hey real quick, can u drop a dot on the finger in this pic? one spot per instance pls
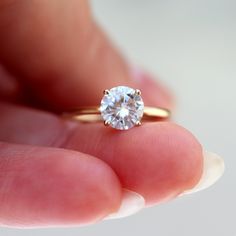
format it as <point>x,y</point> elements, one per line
<point>9,88</point>
<point>48,187</point>
<point>157,160</point>
<point>57,50</point>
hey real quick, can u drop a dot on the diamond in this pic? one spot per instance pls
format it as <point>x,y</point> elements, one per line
<point>122,107</point>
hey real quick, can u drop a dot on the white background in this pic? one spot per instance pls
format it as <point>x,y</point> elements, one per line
<point>191,45</point>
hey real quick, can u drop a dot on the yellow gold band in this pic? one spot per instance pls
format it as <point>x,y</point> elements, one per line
<point>92,114</point>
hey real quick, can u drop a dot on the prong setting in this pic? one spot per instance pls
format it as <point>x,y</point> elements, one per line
<point>138,123</point>
<point>107,123</point>
<point>106,92</point>
<point>137,92</point>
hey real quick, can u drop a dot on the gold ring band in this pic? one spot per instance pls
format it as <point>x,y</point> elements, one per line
<point>93,114</point>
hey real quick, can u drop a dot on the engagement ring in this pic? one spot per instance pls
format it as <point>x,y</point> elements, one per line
<point>121,108</point>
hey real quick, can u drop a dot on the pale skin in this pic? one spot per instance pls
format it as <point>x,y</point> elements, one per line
<point>57,172</point>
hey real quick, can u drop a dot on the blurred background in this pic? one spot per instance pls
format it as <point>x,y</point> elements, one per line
<point>191,46</point>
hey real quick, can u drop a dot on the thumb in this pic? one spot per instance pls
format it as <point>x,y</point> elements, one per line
<point>58,51</point>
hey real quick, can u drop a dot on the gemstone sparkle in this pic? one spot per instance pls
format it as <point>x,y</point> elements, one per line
<point>122,107</point>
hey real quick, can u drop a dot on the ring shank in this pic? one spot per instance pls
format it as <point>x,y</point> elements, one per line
<point>92,114</point>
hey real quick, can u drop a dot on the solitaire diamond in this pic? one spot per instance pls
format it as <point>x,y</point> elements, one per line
<point>122,107</point>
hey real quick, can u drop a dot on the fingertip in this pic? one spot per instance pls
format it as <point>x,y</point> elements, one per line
<point>176,161</point>
<point>55,187</point>
<point>213,170</point>
<point>189,156</point>
<point>158,160</point>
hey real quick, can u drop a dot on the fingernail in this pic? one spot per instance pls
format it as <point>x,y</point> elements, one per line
<point>213,169</point>
<point>131,203</point>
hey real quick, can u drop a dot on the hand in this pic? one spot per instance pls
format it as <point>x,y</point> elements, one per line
<point>56,172</point>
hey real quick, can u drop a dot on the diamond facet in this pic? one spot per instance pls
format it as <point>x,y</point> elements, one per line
<point>122,107</point>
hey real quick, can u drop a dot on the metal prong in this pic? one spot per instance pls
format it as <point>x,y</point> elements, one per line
<point>138,123</point>
<point>106,92</point>
<point>106,123</point>
<point>137,91</point>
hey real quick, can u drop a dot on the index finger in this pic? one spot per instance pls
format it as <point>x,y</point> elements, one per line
<point>65,60</point>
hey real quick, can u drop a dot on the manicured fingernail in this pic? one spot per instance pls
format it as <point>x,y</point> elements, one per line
<point>131,203</point>
<point>213,169</point>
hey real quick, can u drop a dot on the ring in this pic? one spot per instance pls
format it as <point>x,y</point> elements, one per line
<point>121,108</point>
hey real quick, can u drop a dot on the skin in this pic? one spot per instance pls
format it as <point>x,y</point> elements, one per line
<point>57,172</point>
